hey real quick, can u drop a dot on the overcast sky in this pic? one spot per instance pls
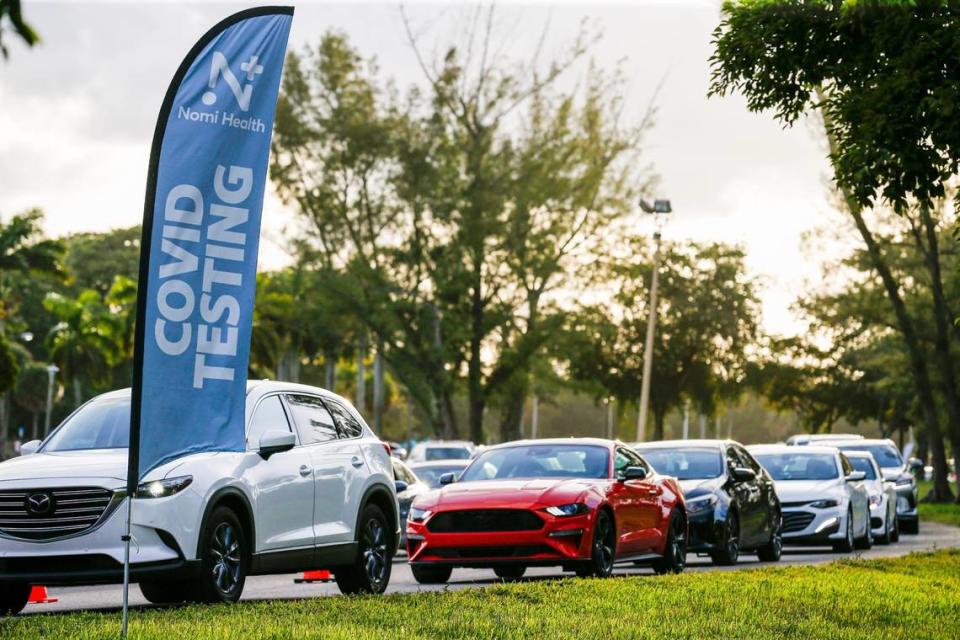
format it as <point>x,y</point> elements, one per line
<point>77,114</point>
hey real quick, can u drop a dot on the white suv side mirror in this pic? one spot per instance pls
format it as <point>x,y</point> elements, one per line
<point>856,476</point>
<point>275,441</point>
<point>29,447</point>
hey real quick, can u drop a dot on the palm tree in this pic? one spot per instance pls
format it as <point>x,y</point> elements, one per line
<point>86,342</point>
<point>23,250</point>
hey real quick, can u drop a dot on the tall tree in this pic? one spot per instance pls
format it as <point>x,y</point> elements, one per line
<point>883,76</point>
<point>707,319</point>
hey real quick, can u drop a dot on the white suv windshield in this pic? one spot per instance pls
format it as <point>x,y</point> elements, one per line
<point>885,455</point>
<point>101,424</point>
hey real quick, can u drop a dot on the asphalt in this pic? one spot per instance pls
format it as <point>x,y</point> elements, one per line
<point>931,537</point>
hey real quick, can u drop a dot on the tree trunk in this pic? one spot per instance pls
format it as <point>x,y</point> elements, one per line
<point>77,394</point>
<point>361,391</point>
<point>921,378</point>
<point>512,415</point>
<point>330,370</point>
<point>659,418</point>
<point>4,422</point>
<point>948,380</point>
<point>378,390</point>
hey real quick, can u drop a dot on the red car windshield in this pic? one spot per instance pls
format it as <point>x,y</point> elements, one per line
<point>540,461</point>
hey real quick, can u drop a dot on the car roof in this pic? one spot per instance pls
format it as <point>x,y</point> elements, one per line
<point>437,463</point>
<point>446,443</point>
<point>785,448</point>
<point>865,441</point>
<point>671,444</point>
<point>858,454</point>
<point>601,442</point>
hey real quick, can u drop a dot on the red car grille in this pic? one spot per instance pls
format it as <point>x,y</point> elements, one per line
<point>493,552</point>
<point>484,520</point>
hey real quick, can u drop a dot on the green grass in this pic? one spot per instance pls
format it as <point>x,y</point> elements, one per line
<point>942,513</point>
<point>911,597</point>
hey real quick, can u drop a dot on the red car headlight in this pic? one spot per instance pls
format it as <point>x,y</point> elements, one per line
<point>567,510</point>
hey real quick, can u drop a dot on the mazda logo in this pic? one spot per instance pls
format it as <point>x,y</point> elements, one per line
<point>40,504</point>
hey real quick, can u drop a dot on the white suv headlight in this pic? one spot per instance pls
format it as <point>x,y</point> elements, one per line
<point>163,488</point>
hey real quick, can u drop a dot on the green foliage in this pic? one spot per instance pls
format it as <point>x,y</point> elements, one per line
<point>707,318</point>
<point>451,216</point>
<point>11,17</point>
<point>30,391</point>
<point>884,73</point>
<point>94,260</point>
<point>9,367</point>
<point>822,602</point>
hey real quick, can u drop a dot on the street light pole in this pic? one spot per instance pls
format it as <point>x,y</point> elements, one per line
<point>659,207</point>
<point>51,374</point>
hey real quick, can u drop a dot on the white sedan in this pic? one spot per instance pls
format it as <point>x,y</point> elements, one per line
<point>822,497</point>
<point>883,497</point>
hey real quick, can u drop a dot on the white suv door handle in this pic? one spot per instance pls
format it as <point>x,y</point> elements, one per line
<point>356,461</point>
<point>304,470</point>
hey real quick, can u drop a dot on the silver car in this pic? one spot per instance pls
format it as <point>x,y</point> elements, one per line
<point>882,495</point>
<point>823,499</point>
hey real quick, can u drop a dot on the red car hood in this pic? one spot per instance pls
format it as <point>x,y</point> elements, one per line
<point>509,494</point>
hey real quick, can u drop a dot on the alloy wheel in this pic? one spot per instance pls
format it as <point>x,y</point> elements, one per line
<point>375,551</point>
<point>225,550</point>
<point>733,538</point>
<point>678,546</point>
<point>603,544</point>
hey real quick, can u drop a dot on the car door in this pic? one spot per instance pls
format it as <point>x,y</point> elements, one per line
<point>745,495</point>
<point>637,506</point>
<point>756,515</point>
<point>282,485</point>
<point>349,449</point>
<point>330,463</point>
<point>859,500</point>
<point>769,503</point>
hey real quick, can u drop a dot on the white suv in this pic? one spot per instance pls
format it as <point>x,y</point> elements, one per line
<point>314,489</point>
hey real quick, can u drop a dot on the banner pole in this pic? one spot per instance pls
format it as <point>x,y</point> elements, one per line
<point>126,571</point>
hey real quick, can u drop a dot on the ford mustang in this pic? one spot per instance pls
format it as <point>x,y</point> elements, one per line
<point>579,503</point>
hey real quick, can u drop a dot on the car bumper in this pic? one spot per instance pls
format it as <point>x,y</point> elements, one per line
<point>704,531</point>
<point>810,526</point>
<point>907,500</point>
<point>560,541</point>
<point>96,556</point>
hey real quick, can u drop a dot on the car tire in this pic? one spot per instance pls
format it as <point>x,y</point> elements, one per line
<point>167,592</point>
<point>846,545</point>
<point>438,574</point>
<point>728,549</point>
<point>13,597</point>
<point>910,527</point>
<point>772,551</point>
<point>674,558</point>
<point>603,548</point>
<point>895,533</point>
<point>510,571</point>
<point>370,572</point>
<point>224,558</point>
<point>866,542</point>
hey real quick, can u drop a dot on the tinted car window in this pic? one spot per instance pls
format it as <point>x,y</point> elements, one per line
<point>799,466</point>
<point>446,453</point>
<point>539,461</point>
<point>348,424</point>
<point>312,418</point>
<point>865,465</point>
<point>100,424</point>
<point>686,464</point>
<point>269,416</point>
<point>884,454</point>
<point>751,463</point>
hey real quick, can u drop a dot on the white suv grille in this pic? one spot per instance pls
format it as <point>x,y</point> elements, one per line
<point>44,514</point>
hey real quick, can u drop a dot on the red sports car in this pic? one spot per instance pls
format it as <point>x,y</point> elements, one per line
<point>580,503</point>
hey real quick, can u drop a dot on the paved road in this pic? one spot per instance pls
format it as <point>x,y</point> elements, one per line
<point>932,536</point>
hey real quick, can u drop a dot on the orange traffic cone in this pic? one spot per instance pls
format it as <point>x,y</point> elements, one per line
<point>320,575</point>
<point>39,595</point>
